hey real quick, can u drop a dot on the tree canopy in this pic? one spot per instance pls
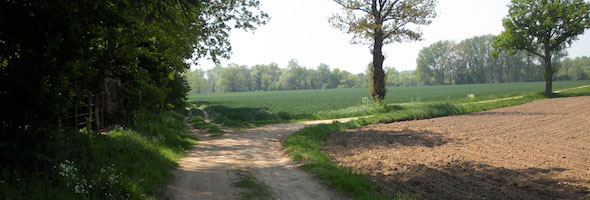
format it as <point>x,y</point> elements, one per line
<point>67,65</point>
<point>543,28</point>
<point>67,52</point>
<point>379,22</point>
<point>469,61</point>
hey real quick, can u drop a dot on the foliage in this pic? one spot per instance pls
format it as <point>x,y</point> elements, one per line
<point>198,123</point>
<point>543,28</point>
<point>247,109</point>
<point>64,51</point>
<point>240,78</point>
<point>128,163</point>
<point>434,61</point>
<point>365,19</point>
<point>55,55</point>
<point>574,69</point>
<point>470,61</point>
<point>380,22</point>
<point>306,144</point>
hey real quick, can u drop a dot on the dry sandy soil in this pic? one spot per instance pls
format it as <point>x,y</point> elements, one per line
<point>538,150</point>
<point>208,170</point>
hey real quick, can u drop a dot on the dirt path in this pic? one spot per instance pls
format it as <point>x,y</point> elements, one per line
<point>207,172</point>
<point>538,150</point>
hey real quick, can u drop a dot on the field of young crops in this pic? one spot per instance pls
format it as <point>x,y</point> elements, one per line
<point>305,102</point>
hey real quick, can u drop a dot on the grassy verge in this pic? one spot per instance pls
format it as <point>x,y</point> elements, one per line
<point>128,163</point>
<point>249,117</point>
<point>305,145</point>
<point>249,109</point>
<point>241,118</point>
<point>199,123</point>
<point>254,189</point>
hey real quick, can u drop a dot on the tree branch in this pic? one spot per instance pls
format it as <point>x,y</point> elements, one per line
<point>389,10</point>
<point>351,7</point>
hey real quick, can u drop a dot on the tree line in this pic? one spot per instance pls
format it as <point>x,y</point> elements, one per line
<point>68,65</point>
<point>122,57</point>
<point>574,69</point>
<point>270,77</point>
<point>533,28</point>
<point>472,61</point>
<point>442,63</point>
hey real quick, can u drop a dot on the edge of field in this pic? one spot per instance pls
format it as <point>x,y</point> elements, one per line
<point>305,146</point>
<point>241,117</point>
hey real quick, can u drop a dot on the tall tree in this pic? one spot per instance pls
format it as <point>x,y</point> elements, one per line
<point>542,28</point>
<point>379,22</point>
<point>434,62</point>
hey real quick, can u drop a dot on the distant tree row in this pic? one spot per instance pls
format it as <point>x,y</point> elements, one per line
<point>471,61</point>
<point>574,69</point>
<point>240,78</point>
<point>442,63</point>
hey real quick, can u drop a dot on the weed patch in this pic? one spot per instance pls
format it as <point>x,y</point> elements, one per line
<point>254,189</point>
<point>198,123</point>
<point>128,163</point>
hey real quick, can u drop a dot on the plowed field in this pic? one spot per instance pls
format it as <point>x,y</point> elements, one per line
<point>538,150</point>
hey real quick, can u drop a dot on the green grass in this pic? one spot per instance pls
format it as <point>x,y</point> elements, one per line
<point>198,123</point>
<point>129,163</point>
<point>250,109</point>
<point>254,189</point>
<point>305,145</point>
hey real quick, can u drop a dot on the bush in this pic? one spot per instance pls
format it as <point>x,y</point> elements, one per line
<point>128,163</point>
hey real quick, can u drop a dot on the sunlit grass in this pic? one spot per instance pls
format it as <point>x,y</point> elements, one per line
<point>250,109</point>
<point>306,145</point>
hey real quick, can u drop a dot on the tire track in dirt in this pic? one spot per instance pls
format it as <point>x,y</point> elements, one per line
<point>538,150</point>
<point>208,170</point>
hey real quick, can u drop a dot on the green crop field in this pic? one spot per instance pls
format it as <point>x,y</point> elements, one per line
<point>312,101</point>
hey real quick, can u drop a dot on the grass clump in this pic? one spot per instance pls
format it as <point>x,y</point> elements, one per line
<point>254,189</point>
<point>243,117</point>
<point>306,145</point>
<point>198,123</point>
<point>128,163</point>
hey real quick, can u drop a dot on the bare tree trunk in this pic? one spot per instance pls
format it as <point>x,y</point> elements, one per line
<point>378,90</point>
<point>548,74</point>
<point>548,69</point>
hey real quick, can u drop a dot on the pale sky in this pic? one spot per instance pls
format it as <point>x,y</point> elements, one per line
<point>299,29</point>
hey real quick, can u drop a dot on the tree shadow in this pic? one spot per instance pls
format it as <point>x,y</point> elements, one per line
<point>512,113</point>
<point>469,180</point>
<point>246,117</point>
<point>372,138</point>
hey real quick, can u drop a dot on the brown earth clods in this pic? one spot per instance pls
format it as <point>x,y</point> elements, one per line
<point>538,150</point>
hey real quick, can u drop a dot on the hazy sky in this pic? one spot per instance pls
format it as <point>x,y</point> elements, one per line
<point>299,29</point>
